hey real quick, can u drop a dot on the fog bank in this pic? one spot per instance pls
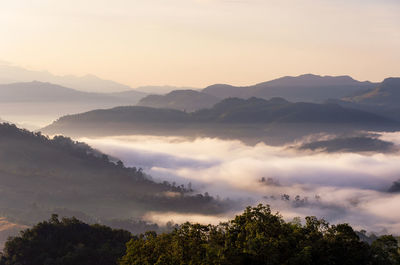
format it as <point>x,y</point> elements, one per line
<point>341,187</point>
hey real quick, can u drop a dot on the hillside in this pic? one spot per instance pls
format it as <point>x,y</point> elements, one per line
<point>385,94</point>
<point>186,100</point>
<point>39,175</point>
<point>278,110</point>
<point>307,88</point>
<point>383,99</point>
<point>251,120</point>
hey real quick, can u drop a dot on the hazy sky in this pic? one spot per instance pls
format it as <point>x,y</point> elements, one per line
<point>200,42</point>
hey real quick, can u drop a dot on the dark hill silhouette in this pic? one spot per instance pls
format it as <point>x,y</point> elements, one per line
<point>187,100</point>
<point>308,88</point>
<point>38,175</point>
<point>255,110</point>
<point>351,144</point>
<point>251,119</point>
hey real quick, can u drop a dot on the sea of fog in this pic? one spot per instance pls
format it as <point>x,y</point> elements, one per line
<point>339,187</point>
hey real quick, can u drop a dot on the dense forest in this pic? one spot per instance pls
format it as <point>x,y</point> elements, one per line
<point>257,236</point>
<point>40,176</point>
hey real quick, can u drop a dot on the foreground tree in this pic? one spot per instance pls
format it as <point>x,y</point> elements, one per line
<point>66,242</point>
<point>259,237</point>
<point>255,237</point>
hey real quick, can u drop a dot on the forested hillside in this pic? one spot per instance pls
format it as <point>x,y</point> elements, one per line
<point>39,175</point>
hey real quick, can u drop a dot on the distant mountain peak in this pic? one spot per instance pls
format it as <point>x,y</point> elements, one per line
<point>302,88</point>
<point>391,83</point>
<point>90,83</point>
<point>312,80</point>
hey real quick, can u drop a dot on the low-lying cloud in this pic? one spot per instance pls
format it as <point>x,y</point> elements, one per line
<point>341,187</point>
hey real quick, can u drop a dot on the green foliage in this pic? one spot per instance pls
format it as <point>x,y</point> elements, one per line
<point>259,237</point>
<point>255,237</point>
<point>64,242</point>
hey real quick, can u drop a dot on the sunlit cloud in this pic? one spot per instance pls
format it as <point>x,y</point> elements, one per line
<point>341,187</point>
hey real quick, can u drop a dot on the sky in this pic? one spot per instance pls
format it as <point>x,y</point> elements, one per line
<point>202,42</point>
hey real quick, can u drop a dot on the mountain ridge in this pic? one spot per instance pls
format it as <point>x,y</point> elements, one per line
<point>308,87</point>
<point>276,121</point>
<point>186,100</point>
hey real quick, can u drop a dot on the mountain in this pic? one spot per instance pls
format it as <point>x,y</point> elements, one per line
<point>307,88</point>
<point>89,83</point>
<point>46,92</point>
<point>383,99</point>
<point>255,110</point>
<point>385,94</point>
<point>186,100</point>
<point>39,175</point>
<point>249,120</point>
<point>160,90</point>
<point>37,102</point>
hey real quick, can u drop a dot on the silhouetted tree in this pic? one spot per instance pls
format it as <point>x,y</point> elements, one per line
<point>64,242</point>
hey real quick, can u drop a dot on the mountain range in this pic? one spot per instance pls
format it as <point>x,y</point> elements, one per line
<point>36,91</point>
<point>186,100</point>
<point>380,98</point>
<point>383,99</point>
<point>251,119</point>
<point>38,102</point>
<point>31,102</point>
<point>88,83</point>
<point>385,94</point>
<point>304,88</point>
<point>307,88</point>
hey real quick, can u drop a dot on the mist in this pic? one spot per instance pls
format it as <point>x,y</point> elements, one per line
<point>340,187</point>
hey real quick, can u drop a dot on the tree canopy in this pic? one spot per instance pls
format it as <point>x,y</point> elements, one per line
<point>257,236</point>
<point>260,237</point>
<point>65,242</point>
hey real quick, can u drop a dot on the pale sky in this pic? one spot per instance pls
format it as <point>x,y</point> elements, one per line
<point>201,42</point>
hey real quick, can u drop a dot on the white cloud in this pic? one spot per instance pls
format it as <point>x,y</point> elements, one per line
<point>351,187</point>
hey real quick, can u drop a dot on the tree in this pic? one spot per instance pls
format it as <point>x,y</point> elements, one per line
<point>66,241</point>
<point>385,250</point>
<point>260,237</point>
